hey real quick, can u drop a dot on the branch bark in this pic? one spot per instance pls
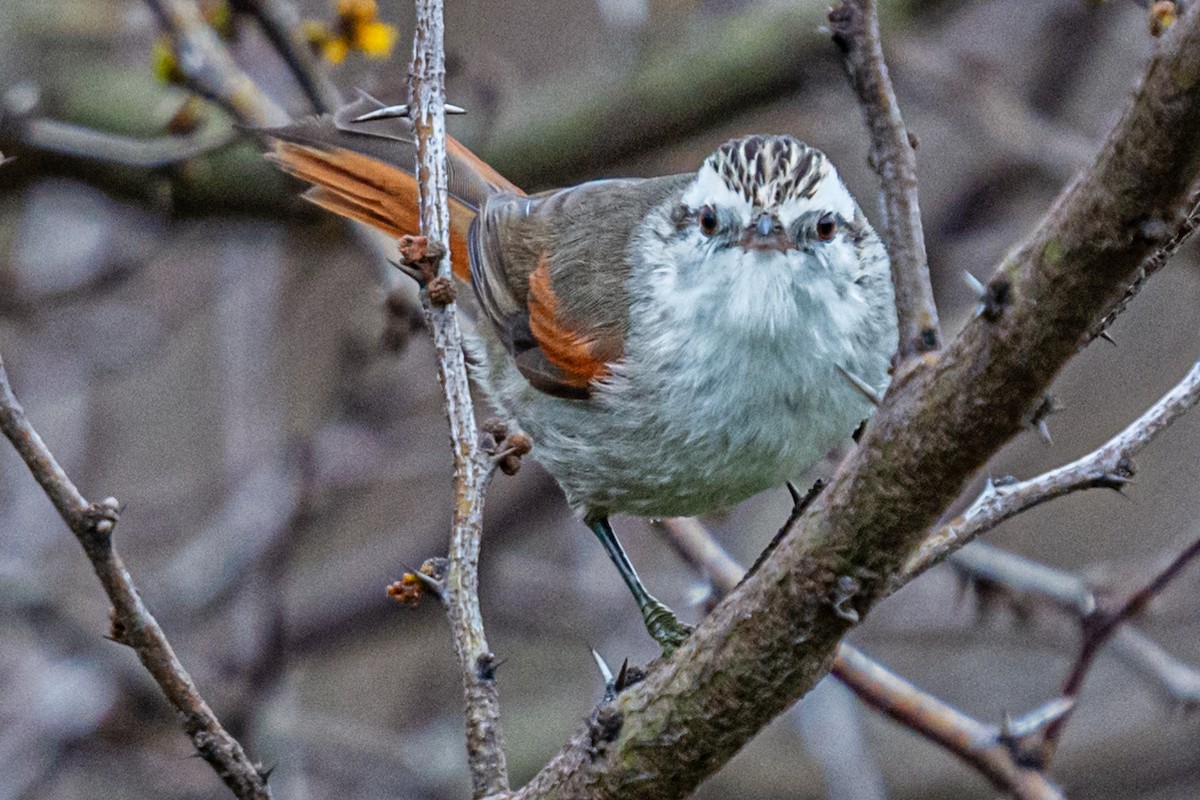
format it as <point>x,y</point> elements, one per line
<point>132,623</point>
<point>472,467</point>
<point>855,26</point>
<point>944,416</point>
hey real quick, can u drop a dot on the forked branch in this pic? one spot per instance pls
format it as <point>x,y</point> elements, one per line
<point>132,623</point>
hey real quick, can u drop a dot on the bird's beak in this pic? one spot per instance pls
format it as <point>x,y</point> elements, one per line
<point>766,234</point>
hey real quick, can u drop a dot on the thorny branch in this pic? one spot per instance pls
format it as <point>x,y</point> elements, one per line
<point>1024,578</point>
<point>132,623</point>
<point>472,467</point>
<point>982,747</point>
<point>1099,627</point>
<point>1109,466</point>
<point>855,27</point>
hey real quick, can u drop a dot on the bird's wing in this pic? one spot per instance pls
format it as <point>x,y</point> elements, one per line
<point>551,273</point>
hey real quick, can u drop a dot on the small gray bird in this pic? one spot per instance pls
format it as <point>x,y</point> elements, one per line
<point>672,345</point>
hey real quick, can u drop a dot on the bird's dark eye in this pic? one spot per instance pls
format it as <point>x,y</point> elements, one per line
<point>826,227</point>
<point>708,220</point>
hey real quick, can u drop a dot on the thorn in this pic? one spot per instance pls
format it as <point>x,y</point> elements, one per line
<point>795,493</point>
<point>485,667</point>
<point>265,772</point>
<point>1041,413</point>
<point>864,388</point>
<point>847,587</point>
<point>602,665</point>
<point>1106,336</point>
<point>628,676</point>
<point>801,503</point>
<point>1037,720</point>
<point>400,112</point>
<point>975,285</point>
<point>430,582</point>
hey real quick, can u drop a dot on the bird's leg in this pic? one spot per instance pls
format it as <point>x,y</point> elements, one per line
<point>661,622</point>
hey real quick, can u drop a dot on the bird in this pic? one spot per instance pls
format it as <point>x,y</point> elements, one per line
<point>671,345</point>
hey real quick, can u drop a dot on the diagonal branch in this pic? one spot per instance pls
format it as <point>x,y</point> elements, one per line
<point>472,467</point>
<point>1100,626</point>
<point>1109,466</point>
<point>979,746</point>
<point>943,418</point>
<point>281,24</point>
<point>855,27</point>
<point>132,623</point>
<point>209,67</point>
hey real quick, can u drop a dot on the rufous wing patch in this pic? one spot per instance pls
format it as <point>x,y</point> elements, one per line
<point>573,359</point>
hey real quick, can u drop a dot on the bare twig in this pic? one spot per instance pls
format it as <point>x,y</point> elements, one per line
<point>132,623</point>
<point>472,467</point>
<point>1178,681</point>
<point>1099,627</point>
<point>210,68</point>
<point>855,27</point>
<point>976,744</point>
<point>1153,264</point>
<point>1109,466</point>
<point>981,746</point>
<point>281,23</point>
<point>77,141</point>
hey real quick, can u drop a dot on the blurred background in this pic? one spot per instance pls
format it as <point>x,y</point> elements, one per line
<point>192,339</point>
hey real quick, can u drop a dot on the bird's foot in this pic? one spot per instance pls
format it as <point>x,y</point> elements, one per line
<point>664,626</point>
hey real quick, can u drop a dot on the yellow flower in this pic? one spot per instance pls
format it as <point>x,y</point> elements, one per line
<point>357,28</point>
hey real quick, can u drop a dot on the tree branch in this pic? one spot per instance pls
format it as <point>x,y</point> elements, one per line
<point>1099,627</point>
<point>981,747</point>
<point>281,24</point>
<point>209,67</point>
<point>1109,466</point>
<point>775,636</point>
<point>472,467</point>
<point>132,623</point>
<point>855,26</point>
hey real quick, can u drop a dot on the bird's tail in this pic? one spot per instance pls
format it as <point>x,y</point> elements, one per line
<point>364,171</point>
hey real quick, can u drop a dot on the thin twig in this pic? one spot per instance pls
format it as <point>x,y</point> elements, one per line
<point>855,27</point>
<point>472,467</point>
<point>78,141</point>
<point>980,746</point>
<point>132,623</point>
<point>209,67</point>
<point>281,23</point>
<point>1153,265</point>
<point>1109,466</point>
<point>1178,681</point>
<point>1100,626</point>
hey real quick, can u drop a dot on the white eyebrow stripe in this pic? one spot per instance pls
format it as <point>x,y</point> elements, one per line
<point>831,195</point>
<point>710,188</point>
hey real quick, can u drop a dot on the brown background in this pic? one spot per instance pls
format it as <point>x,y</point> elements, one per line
<point>194,343</point>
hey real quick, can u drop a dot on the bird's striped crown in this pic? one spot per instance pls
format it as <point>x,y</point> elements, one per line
<point>769,171</point>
